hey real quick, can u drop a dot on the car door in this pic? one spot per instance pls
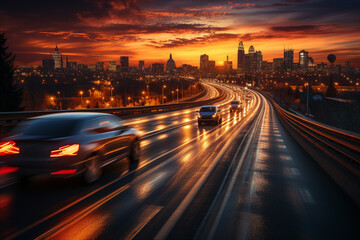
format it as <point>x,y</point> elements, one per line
<point>122,137</point>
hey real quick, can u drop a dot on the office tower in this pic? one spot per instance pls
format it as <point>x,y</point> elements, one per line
<point>259,59</point>
<point>288,59</point>
<point>227,64</point>
<point>278,64</point>
<point>141,65</point>
<point>57,58</point>
<point>204,63</point>
<point>170,65</point>
<point>303,59</point>
<point>112,66</point>
<point>99,66</point>
<point>157,68</point>
<point>211,66</point>
<point>241,57</point>
<point>48,64</point>
<point>124,64</point>
<point>251,49</point>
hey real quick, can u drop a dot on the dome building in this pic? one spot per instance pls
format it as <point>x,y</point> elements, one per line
<point>170,65</point>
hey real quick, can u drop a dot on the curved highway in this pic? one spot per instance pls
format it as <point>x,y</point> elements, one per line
<point>243,179</point>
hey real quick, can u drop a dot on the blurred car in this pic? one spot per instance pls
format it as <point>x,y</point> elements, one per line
<point>236,106</point>
<point>68,144</point>
<point>209,113</point>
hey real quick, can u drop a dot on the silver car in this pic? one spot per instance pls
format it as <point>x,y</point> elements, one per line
<point>209,113</point>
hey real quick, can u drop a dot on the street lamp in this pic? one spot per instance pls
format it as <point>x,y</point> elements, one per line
<point>162,99</point>
<point>172,93</point>
<point>81,93</point>
<point>177,95</point>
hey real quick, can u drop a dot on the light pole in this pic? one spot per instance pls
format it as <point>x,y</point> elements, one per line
<point>162,99</point>
<point>81,93</point>
<point>307,99</point>
<point>177,95</point>
<point>172,93</point>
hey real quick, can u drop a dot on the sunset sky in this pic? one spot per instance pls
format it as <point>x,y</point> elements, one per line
<point>88,31</point>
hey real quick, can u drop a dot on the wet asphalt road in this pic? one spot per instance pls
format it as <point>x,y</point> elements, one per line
<point>179,188</point>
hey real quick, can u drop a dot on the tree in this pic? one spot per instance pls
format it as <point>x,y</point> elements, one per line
<point>10,93</point>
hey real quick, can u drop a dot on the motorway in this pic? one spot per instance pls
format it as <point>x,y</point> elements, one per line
<point>243,179</point>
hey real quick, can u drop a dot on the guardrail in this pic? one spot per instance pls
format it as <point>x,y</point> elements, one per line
<point>336,152</point>
<point>9,119</point>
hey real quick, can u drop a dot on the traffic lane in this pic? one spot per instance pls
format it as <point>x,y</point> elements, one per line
<point>43,196</point>
<point>288,196</point>
<point>156,193</point>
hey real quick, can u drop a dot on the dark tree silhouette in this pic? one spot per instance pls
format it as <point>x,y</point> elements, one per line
<point>10,93</point>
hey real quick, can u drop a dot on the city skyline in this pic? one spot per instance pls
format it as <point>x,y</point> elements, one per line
<point>92,31</point>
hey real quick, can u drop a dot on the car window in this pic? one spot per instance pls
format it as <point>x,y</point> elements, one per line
<point>103,124</point>
<point>54,128</point>
<point>208,109</point>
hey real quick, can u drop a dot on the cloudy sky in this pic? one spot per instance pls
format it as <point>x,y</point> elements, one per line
<point>88,31</point>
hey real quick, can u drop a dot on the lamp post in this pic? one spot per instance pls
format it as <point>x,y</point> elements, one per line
<point>162,99</point>
<point>307,99</point>
<point>177,95</point>
<point>172,93</point>
<point>81,93</point>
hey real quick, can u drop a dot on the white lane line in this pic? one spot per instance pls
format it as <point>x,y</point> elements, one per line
<point>306,196</point>
<point>7,185</point>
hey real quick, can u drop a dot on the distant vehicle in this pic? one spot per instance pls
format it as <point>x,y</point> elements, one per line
<point>209,113</point>
<point>69,144</point>
<point>236,106</point>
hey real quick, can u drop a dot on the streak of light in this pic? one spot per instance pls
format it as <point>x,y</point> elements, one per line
<point>144,143</point>
<point>162,136</point>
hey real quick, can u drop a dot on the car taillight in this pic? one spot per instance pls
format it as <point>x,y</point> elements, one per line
<point>67,150</point>
<point>7,148</point>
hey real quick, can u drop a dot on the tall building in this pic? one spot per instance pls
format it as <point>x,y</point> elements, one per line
<point>170,65</point>
<point>278,64</point>
<point>204,63</point>
<point>211,66</point>
<point>251,49</point>
<point>303,59</point>
<point>57,58</point>
<point>112,66</point>
<point>48,64</point>
<point>99,66</point>
<point>157,68</point>
<point>347,66</point>
<point>259,60</point>
<point>141,65</point>
<point>241,57</point>
<point>124,63</point>
<point>288,59</point>
<point>228,64</point>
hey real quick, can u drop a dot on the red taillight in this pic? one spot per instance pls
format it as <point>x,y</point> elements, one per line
<point>64,172</point>
<point>7,170</point>
<point>68,150</point>
<point>9,147</point>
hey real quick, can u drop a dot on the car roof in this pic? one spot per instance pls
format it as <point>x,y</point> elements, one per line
<point>209,106</point>
<point>72,115</point>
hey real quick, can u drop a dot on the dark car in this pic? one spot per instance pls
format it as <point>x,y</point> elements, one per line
<point>235,106</point>
<point>209,113</point>
<point>68,144</point>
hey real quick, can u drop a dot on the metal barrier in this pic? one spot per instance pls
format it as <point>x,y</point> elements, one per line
<point>336,152</point>
<point>9,119</point>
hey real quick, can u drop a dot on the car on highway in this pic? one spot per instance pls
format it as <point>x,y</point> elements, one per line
<point>209,113</point>
<point>235,106</point>
<point>69,144</point>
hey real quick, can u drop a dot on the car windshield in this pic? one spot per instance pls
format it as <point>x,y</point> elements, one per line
<point>235,102</point>
<point>54,128</point>
<point>208,109</point>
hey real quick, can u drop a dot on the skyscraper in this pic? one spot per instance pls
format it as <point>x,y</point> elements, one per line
<point>228,64</point>
<point>141,65</point>
<point>57,58</point>
<point>288,59</point>
<point>112,66</point>
<point>170,65</point>
<point>204,63</point>
<point>124,63</point>
<point>241,57</point>
<point>251,49</point>
<point>303,59</point>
